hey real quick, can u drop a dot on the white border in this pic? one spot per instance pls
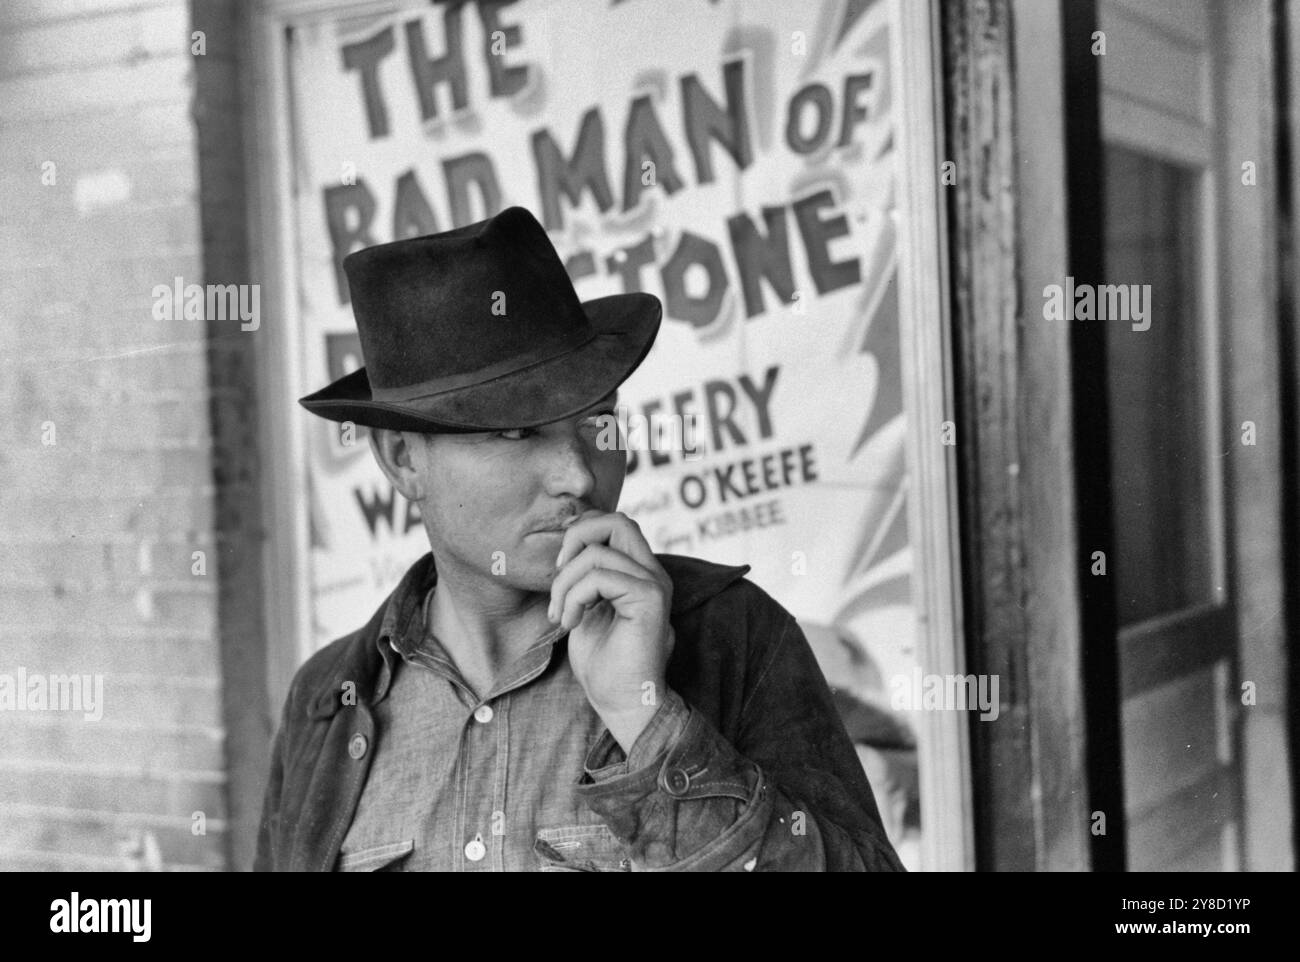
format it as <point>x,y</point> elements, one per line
<point>284,451</point>
<point>947,811</point>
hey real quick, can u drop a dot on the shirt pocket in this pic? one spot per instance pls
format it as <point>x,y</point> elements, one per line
<point>580,848</point>
<point>376,858</point>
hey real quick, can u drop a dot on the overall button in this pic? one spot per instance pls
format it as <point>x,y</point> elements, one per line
<point>483,713</point>
<point>676,781</point>
<point>357,746</point>
<point>475,850</point>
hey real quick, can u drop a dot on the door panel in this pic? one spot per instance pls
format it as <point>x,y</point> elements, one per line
<point>1157,386</point>
<point>1178,644</point>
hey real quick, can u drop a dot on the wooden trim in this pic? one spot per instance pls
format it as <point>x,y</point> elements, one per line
<point>983,238</point>
<point>1182,30</point>
<point>1254,372</point>
<point>1166,648</point>
<point>947,815</point>
<point>1212,312</point>
<point>288,595</point>
<point>1287,40</point>
<point>1038,771</point>
<point>1091,418</point>
<point>1142,128</point>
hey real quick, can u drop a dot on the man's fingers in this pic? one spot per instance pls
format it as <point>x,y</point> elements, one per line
<point>591,557</point>
<point>602,584</point>
<point>613,528</point>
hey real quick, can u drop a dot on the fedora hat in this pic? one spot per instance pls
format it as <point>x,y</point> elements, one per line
<point>480,329</point>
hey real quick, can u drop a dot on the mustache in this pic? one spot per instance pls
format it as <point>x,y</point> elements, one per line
<point>560,522</point>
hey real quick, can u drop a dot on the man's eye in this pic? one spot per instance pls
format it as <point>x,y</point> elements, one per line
<point>595,422</point>
<point>516,434</point>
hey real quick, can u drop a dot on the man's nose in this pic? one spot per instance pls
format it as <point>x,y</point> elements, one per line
<point>568,469</point>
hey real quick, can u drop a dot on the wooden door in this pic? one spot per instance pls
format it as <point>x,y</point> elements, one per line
<point>1165,173</point>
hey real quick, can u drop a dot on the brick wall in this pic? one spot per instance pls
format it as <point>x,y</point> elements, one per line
<point>120,169</point>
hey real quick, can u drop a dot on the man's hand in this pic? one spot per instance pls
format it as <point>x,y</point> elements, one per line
<point>614,597</point>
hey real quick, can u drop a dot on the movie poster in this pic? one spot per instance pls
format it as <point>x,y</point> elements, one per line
<point>742,166</point>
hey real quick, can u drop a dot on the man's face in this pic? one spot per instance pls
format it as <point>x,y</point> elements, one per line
<point>508,492</point>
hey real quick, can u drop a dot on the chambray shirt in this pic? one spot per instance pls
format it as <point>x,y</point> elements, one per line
<point>384,761</point>
<point>459,783</point>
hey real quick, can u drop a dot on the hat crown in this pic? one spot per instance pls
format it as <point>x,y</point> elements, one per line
<point>435,311</point>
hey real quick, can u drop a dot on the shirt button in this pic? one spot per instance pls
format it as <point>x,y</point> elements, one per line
<point>483,713</point>
<point>357,746</point>
<point>475,850</point>
<point>676,781</point>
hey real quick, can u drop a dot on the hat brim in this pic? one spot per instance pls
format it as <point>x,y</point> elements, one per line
<point>625,324</point>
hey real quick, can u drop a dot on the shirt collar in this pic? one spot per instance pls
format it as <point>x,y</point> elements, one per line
<point>403,623</point>
<point>403,632</point>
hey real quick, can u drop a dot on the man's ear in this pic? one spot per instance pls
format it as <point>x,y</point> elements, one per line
<point>394,451</point>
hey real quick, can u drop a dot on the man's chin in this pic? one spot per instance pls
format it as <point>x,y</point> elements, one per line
<point>535,583</point>
<point>534,569</point>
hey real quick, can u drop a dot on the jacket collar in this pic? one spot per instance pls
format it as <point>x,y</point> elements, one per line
<point>361,664</point>
<point>695,580</point>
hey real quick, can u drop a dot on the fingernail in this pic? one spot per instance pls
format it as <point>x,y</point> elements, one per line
<point>568,521</point>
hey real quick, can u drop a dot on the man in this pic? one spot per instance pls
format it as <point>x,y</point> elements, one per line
<point>542,691</point>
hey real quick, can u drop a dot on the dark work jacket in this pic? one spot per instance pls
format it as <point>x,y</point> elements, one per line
<point>762,725</point>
